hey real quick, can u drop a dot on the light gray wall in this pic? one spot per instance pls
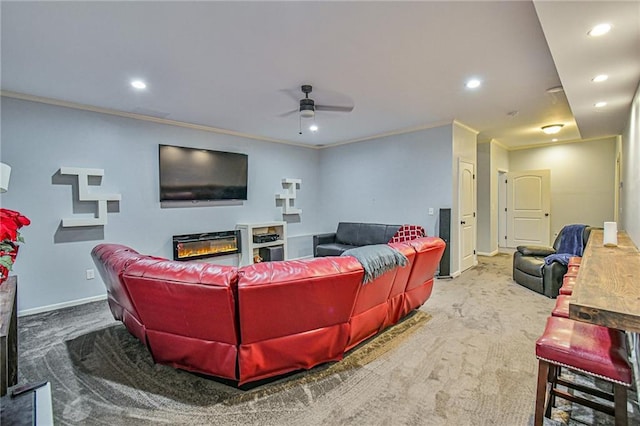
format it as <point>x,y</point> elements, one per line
<point>499,163</point>
<point>395,179</point>
<point>492,158</point>
<point>630,194</point>
<point>38,139</point>
<point>582,179</point>
<point>484,198</point>
<point>499,158</point>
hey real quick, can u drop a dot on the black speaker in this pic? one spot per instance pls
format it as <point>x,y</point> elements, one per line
<point>445,234</point>
<point>271,254</point>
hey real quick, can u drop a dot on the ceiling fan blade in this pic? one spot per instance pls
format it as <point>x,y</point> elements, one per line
<point>286,114</point>
<point>334,108</point>
<point>292,93</point>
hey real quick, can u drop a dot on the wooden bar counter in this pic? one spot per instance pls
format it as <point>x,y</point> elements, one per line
<point>607,290</point>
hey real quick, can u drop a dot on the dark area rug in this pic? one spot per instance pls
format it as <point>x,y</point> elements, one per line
<point>106,376</point>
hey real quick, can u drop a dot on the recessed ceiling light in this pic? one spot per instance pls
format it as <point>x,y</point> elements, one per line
<point>600,78</point>
<point>600,104</point>
<point>139,84</point>
<point>600,29</point>
<point>474,83</point>
<point>313,128</point>
<point>552,129</point>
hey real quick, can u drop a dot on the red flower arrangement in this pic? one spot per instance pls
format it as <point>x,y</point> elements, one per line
<point>10,222</point>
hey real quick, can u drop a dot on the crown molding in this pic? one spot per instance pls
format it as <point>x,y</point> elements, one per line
<point>500,144</point>
<point>547,144</point>
<point>142,117</point>
<point>464,126</point>
<point>159,120</point>
<point>393,133</point>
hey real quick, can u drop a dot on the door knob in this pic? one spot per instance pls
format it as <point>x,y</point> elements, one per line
<point>546,214</point>
<point>462,222</point>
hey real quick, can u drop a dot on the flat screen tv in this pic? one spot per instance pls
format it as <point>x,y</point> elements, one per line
<point>192,174</point>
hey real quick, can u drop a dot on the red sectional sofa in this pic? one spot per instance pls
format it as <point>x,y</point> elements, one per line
<point>263,320</point>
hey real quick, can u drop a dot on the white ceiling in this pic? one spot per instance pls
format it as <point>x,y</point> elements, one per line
<point>238,65</point>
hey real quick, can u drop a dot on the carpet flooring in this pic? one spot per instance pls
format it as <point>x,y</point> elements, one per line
<point>464,358</point>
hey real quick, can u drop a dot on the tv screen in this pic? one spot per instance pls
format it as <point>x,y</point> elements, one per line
<point>190,174</point>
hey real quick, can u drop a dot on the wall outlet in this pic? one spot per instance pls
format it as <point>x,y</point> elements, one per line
<point>91,274</point>
<point>430,211</point>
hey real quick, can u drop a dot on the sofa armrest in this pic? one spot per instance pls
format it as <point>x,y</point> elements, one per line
<point>323,239</point>
<point>536,250</point>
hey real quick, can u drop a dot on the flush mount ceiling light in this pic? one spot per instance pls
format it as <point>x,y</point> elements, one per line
<point>474,83</point>
<point>552,129</point>
<point>600,29</point>
<point>600,78</point>
<point>138,84</point>
<point>555,89</point>
<point>600,104</point>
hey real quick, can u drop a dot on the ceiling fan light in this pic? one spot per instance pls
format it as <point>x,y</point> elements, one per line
<point>306,113</point>
<point>552,129</point>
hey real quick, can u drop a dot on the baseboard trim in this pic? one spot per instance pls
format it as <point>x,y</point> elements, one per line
<point>493,253</point>
<point>57,306</point>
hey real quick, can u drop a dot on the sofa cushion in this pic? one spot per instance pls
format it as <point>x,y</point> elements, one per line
<point>332,249</point>
<point>530,265</point>
<point>362,234</point>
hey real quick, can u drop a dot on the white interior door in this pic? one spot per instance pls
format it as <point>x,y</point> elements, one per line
<point>528,208</point>
<point>467,216</point>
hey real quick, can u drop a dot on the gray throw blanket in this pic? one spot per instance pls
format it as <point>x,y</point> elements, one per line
<point>376,259</point>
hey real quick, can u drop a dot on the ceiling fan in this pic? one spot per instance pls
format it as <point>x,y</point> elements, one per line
<point>308,107</point>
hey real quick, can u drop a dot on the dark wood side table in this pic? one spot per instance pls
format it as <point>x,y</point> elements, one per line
<point>8,334</point>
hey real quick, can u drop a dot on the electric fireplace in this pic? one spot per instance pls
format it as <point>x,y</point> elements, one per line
<point>201,246</point>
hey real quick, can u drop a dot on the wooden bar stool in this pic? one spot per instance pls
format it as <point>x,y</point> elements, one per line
<point>575,261</point>
<point>567,285</point>
<point>589,349</point>
<point>562,306</point>
<point>572,271</point>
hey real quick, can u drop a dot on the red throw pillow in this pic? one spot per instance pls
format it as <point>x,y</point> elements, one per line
<point>407,233</point>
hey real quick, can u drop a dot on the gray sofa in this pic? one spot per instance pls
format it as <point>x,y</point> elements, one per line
<point>350,235</point>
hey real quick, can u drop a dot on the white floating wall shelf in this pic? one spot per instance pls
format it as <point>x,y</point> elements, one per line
<point>84,195</point>
<point>289,197</point>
